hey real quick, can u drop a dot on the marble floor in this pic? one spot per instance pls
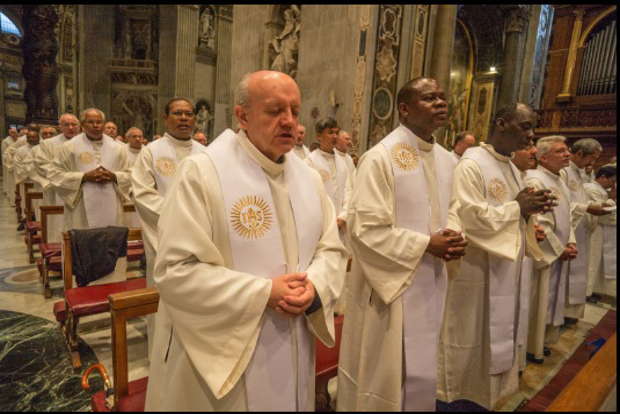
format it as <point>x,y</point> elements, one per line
<point>35,367</point>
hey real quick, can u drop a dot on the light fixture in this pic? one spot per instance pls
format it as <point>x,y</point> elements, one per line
<point>493,69</point>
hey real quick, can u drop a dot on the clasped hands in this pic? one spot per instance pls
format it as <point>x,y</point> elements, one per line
<point>447,245</point>
<point>291,294</point>
<point>535,202</point>
<point>99,175</point>
<point>570,253</point>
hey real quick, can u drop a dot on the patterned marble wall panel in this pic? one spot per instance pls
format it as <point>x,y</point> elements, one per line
<point>386,67</point>
<point>422,16</point>
<point>482,106</point>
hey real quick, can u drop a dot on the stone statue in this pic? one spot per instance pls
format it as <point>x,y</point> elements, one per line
<point>207,31</point>
<point>203,119</point>
<point>285,46</point>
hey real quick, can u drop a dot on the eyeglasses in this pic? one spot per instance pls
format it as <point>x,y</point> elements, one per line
<point>179,114</point>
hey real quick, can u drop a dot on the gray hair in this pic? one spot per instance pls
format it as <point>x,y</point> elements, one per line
<point>242,92</point>
<point>545,144</point>
<point>130,129</point>
<point>587,145</point>
<point>83,114</point>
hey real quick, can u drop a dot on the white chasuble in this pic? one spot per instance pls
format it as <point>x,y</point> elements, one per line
<point>323,167</point>
<point>257,249</point>
<point>503,299</point>
<point>578,267</point>
<point>423,301</point>
<point>165,160</point>
<point>603,243</point>
<point>562,229</point>
<point>99,199</point>
<point>301,151</point>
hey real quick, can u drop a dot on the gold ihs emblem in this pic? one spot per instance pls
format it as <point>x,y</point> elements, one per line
<point>86,158</point>
<point>573,185</point>
<point>404,156</point>
<point>497,190</point>
<point>251,217</point>
<point>166,167</point>
<point>324,175</point>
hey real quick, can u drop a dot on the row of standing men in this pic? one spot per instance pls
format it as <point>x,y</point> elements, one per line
<point>249,260</point>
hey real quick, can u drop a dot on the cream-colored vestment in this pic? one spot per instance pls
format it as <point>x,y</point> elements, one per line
<point>9,162</point>
<point>6,143</point>
<point>301,151</point>
<point>217,312</point>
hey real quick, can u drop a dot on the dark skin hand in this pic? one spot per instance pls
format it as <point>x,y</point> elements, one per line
<point>448,245</point>
<point>540,233</point>
<point>533,202</point>
<point>99,175</point>
<point>598,210</point>
<point>570,253</point>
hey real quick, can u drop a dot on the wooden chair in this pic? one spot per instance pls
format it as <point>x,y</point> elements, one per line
<point>50,252</point>
<point>18,200</point>
<point>326,367</point>
<point>86,300</point>
<point>32,227</point>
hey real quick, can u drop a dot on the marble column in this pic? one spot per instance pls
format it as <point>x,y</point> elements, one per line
<point>441,58</point>
<point>516,22</point>
<point>40,70</point>
<point>572,56</point>
<point>223,97</point>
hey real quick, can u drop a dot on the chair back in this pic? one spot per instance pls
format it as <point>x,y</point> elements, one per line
<point>48,211</point>
<point>124,306</point>
<point>34,195</point>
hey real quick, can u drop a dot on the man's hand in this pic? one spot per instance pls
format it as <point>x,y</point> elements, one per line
<point>297,305</point>
<point>107,176</point>
<point>99,175</point>
<point>597,210</point>
<point>447,245</point>
<point>540,233</point>
<point>286,288</point>
<point>341,223</point>
<point>570,252</point>
<point>92,176</point>
<point>532,202</point>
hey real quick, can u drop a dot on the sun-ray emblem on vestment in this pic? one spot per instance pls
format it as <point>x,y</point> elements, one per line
<point>86,158</point>
<point>251,217</point>
<point>324,175</point>
<point>497,190</point>
<point>573,185</point>
<point>556,193</point>
<point>166,166</point>
<point>405,156</point>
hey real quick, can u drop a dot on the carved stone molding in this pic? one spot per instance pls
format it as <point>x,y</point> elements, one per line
<point>516,18</point>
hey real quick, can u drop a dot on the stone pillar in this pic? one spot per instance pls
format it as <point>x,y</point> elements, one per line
<point>441,58</point>
<point>572,56</point>
<point>178,34</point>
<point>40,70</point>
<point>223,97</point>
<point>516,21</point>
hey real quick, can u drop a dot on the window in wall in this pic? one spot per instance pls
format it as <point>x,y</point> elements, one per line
<point>7,26</point>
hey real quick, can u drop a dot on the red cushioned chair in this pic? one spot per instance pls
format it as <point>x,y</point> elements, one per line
<point>32,227</point>
<point>86,300</point>
<point>50,252</point>
<point>128,396</point>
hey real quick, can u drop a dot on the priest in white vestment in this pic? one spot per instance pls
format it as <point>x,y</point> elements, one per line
<point>23,165</point>
<point>584,153</point>
<point>602,264</point>
<point>300,149</point>
<point>479,340</point>
<point>333,170</point>
<point>152,172</point>
<point>6,143</point>
<point>525,160</point>
<point>201,138</point>
<point>249,266</point>
<point>397,284</point>
<point>342,149</point>
<point>91,175</point>
<point>134,138</point>
<point>463,141</point>
<point>9,161</point>
<point>43,158</point>
<point>551,272</point>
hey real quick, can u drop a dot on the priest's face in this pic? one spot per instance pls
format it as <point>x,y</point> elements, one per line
<point>525,159</point>
<point>201,138</point>
<point>344,142</point>
<point>328,138</point>
<point>110,129</point>
<point>134,138</point>
<point>272,115</point>
<point>302,135</point>
<point>181,120</point>
<point>32,137</point>
<point>93,125</point>
<point>583,161</point>
<point>427,109</point>
<point>518,134</point>
<point>69,125</point>
<point>13,133</point>
<point>48,132</point>
<point>557,157</point>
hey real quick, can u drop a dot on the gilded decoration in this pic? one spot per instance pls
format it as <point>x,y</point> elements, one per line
<point>166,167</point>
<point>460,82</point>
<point>360,74</point>
<point>386,67</point>
<point>405,157</point>
<point>497,190</point>
<point>556,193</point>
<point>86,158</point>
<point>324,175</point>
<point>573,185</point>
<point>251,217</point>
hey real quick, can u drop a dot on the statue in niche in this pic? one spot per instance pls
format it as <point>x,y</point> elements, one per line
<point>207,31</point>
<point>203,119</point>
<point>284,48</point>
<point>136,110</point>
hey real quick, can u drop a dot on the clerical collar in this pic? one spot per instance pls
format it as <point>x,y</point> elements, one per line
<point>549,172</point>
<point>91,139</point>
<point>270,167</point>
<point>494,153</point>
<point>178,142</point>
<point>327,154</point>
<point>422,144</point>
<point>574,166</point>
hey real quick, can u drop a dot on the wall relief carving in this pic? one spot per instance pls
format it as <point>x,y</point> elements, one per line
<point>284,48</point>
